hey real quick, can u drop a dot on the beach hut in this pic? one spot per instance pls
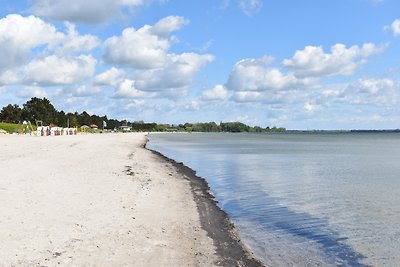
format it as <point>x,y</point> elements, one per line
<point>84,128</point>
<point>94,126</point>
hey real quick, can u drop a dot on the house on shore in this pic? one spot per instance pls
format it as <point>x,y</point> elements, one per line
<point>125,128</point>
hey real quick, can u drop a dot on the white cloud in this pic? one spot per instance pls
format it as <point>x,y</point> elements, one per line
<point>110,77</point>
<point>250,7</point>
<point>371,86</point>
<point>24,39</point>
<point>88,11</point>
<point>271,98</point>
<point>395,27</point>
<point>18,35</point>
<point>32,91</point>
<point>314,62</point>
<point>219,92</point>
<point>140,49</point>
<point>84,91</point>
<point>311,108</point>
<point>145,48</point>
<point>248,96</point>
<point>73,42</point>
<point>3,89</point>
<point>135,104</point>
<point>167,25</point>
<point>154,68</point>
<point>126,89</point>
<point>9,77</point>
<point>206,45</point>
<point>177,73</point>
<point>193,105</point>
<point>53,70</point>
<point>256,75</point>
<point>373,92</point>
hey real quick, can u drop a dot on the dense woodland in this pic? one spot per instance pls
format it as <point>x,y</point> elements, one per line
<point>42,110</point>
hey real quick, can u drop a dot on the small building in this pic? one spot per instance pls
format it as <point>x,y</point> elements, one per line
<point>125,128</point>
<point>94,126</point>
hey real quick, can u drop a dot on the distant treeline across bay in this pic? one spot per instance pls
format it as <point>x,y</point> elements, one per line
<point>37,109</point>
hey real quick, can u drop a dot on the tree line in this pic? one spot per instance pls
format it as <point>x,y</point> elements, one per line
<point>37,109</point>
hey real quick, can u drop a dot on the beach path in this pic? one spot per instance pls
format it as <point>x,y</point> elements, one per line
<point>96,200</point>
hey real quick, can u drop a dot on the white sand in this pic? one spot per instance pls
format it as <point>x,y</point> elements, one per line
<point>69,200</point>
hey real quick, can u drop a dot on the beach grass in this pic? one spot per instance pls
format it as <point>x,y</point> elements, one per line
<point>13,127</point>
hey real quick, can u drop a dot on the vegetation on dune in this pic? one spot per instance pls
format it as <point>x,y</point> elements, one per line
<point>16,128</point>
<point>37,109</point>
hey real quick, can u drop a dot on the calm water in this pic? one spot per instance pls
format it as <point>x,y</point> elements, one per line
<point>303,199</point>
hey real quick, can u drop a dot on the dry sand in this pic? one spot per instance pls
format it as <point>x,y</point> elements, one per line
<point>104,200</point>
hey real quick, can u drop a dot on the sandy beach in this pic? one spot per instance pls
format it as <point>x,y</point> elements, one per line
<point>105,200</point>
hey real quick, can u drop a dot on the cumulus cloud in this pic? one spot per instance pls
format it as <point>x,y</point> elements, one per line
<point>136,103</point>
<point>53,70</point>
<point>314,62</point>
<point>154,68</point>
<point>109,77</point>
<point>8,77</point>
<point>257,75</point>
<point>88,11</point>
<point>18,35</point>
<point>248,96</point>
<point>127,89</point>
<point>272,98</point>
<point>84,91</point>
<point>178,72</point>
<point>219,92</point>
<point>167,25</point>
<point>74,42</point>
<point>32,91</point>
<point>145,48</point>
<point>395,27</point>
<point>138,49</point>
<point>34,52</point>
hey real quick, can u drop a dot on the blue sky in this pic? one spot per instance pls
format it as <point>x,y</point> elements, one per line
<point>331,64</point>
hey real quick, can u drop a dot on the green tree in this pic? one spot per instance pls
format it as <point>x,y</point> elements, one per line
<point>72,119</point>
<point>113,124</point>
<point>39,109</point>
<point>11,113</point>
<point>205,127</point>
<point>234,127</point>
<point>61,119</point>
<point>84,119</point>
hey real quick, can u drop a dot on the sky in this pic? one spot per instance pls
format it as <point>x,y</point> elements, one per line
<point>299,64</point>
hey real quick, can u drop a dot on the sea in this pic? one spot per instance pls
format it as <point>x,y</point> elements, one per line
<point>302,199</point>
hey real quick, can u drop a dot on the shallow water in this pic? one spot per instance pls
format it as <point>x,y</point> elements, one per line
<point>302,199</point>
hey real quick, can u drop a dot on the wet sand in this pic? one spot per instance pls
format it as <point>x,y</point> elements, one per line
<point>105,200</point>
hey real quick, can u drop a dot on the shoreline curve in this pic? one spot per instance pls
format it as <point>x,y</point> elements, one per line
<point>213,219</point>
